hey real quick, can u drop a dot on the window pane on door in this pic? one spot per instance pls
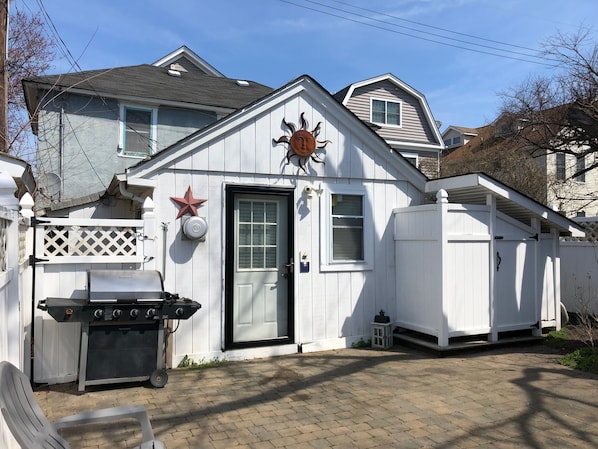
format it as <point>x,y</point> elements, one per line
<point>257,235</point>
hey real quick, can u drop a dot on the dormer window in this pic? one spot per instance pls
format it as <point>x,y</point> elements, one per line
<point>137,131</point>
<point>385,112</point>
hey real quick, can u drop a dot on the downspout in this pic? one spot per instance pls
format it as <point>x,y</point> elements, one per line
<point>130,195</point>
<point>164,235</point>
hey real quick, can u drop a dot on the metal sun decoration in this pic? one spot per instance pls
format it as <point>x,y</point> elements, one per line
<point>187,204</point>
<point>302,143</point>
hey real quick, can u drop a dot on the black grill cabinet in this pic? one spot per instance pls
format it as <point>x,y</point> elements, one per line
<point>122,325</point>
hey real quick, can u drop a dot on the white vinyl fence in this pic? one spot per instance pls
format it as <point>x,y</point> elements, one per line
<point>579,269</point>
<point>13,269</point>
<point>11,326</point>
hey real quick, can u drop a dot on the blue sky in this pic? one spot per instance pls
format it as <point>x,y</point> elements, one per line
<point>274,41</point>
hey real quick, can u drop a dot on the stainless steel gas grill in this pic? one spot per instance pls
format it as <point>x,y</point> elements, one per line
<point>122,325</point>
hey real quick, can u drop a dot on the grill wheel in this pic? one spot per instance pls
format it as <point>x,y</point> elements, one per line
<point>159,378</point>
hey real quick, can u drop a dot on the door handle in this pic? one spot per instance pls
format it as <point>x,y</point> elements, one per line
<point>290,268</point>
<point>498,261</point>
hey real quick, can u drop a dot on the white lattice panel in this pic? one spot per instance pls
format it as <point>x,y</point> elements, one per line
<point>89,241</point>
<point>591,230</point>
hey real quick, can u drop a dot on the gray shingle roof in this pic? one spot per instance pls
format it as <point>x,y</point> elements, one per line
<point>151,82</point>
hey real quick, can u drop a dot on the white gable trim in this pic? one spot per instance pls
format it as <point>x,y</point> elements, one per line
<point>406,87</point>
<point>402,145</point>
<point>304,86</point>
<point>192,56</point>
<point>475,187</point>
<point>459,131</point>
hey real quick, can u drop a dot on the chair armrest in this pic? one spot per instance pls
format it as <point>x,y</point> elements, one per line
<point>137,412</point>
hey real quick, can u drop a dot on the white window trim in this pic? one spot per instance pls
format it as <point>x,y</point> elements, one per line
<point>400,103</point>
<point>411,156</point>
<point>326,262</point>
<point>121,125</point>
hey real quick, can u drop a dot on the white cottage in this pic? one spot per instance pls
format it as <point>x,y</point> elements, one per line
<point>294,224</point>
<point>296,195</point>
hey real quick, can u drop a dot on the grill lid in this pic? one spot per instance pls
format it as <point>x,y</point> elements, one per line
<point>125,286</point>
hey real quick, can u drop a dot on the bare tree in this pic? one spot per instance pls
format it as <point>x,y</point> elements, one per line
<point>503,158</point>
<point>558,113</point>
<point>30,53</point>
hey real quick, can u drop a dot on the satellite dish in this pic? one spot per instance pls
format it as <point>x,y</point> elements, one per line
<point>49,185</point>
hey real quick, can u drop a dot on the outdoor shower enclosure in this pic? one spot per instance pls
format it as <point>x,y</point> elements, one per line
<point>472,270</point>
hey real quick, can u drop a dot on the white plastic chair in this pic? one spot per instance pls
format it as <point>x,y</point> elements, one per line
<point>31,428</point>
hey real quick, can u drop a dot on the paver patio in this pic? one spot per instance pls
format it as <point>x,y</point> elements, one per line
<point>508,397</point>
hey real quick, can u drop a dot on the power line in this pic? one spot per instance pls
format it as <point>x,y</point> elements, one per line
<point>435,27</point>
<point>509,54</point>
<point>65,50</point>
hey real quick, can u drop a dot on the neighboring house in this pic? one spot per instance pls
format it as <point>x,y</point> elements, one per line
<point>505,146</point>
<point>456,136</point>
<point>400,115</point>
<point>93,124</point>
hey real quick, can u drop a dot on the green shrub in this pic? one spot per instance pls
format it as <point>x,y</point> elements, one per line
<point>584,359</point>
<point>554,338</point>
<point>361,344</point>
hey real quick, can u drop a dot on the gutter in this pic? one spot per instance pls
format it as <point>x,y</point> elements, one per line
<point>130,195</point>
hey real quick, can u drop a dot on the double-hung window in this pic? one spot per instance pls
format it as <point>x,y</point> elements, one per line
<point>137,131</point>
<point>561,172</point>
<point>347,226</point>
<point>580,167</point>
<point>385,112</point>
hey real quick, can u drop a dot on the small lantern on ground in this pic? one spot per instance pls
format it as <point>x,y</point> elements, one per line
<point>381,331</point>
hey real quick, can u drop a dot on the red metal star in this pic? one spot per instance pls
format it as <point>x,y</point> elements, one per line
<point>187,204</point>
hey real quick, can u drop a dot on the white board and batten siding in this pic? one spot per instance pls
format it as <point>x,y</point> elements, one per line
<point>333,308</point>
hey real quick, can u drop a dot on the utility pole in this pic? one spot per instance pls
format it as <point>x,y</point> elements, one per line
<point>4,76</point>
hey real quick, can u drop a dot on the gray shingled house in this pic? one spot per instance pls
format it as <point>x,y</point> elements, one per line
<point>93,124</point>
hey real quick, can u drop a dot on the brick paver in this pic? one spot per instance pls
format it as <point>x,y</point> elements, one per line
<point>509,397</point>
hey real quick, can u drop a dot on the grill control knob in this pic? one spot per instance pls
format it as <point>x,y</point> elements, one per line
<point>134,313</point>
<point>116,313</point>
<point>179,312</point>
<point>150,313</point>
<point>98,313</point>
